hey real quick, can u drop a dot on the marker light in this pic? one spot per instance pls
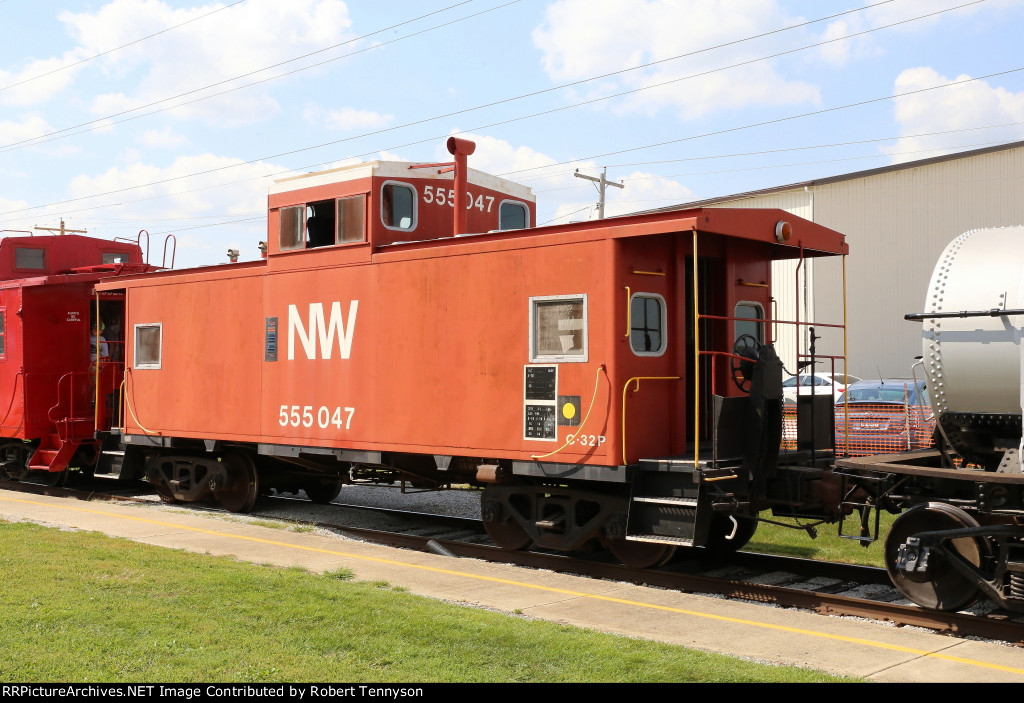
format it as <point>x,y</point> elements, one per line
<point>783,231</point>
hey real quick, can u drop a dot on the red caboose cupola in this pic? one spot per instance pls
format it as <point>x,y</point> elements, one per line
<point>386,202</point>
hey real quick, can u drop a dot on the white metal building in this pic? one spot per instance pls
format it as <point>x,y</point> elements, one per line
<point>897,220</point>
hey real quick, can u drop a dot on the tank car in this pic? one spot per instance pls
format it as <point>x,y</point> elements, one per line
<point>60,352</point>
<point>610,382</point>
<point>960,530</point>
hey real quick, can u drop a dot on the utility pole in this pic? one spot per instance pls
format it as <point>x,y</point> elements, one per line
<point>61,229</point>
<point>602,184</point>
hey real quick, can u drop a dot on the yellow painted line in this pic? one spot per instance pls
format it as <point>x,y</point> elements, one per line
<point>550,589</point>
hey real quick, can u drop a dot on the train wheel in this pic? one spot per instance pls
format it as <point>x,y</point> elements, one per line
<point>641,555</point>
<point>14,455</point>
<point>54,479</point>
<point>508,534</point>
<point>164,492</point>
<point>242,489</point>
<point>322,492</point>
<point>940,586</point>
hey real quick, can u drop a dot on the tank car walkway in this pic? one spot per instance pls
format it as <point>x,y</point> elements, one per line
<point>840,645</point>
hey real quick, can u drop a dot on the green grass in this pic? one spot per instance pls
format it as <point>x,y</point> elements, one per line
<point>83,607</point>
<point>827,546</point>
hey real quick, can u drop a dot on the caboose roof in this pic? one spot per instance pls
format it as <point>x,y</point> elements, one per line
<point>399,170</point>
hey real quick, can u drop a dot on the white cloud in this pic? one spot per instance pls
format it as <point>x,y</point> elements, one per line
<point>581,39</point>
<point>561,196</point>
<point>35,87</point>
<point>837,52</point>
<point>179,206</point>
<point>29,128</point>
<point>232,42</point>
<point>15,220</point>
<point>162,138</point>
<point>906,9</point>
<point>896,14</point>
<point>346,118</point>
<point>958,107</point>
<point>645,191</point>
<point>13,133</point>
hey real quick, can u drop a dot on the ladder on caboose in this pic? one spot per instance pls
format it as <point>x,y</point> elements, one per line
<point>73,423</point>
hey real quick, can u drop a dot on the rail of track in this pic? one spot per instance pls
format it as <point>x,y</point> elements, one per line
<point>822,587</point>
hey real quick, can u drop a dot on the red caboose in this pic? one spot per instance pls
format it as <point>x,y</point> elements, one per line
<point>380,338</point>
<point>51,363</point>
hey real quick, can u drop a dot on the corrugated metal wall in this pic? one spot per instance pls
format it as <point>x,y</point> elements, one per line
<point>897,223</point>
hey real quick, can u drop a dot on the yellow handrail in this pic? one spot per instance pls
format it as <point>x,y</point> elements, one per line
<point>629,311</point>
<point>696,359</point>
<point>96,379</point>
<point>625,388</point>
<point>572,437</point>
<point>128,404</point>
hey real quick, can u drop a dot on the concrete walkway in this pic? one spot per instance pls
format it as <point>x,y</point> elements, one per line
<point>844,646</point>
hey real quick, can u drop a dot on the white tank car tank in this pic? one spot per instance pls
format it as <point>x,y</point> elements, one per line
<point>974,363</point>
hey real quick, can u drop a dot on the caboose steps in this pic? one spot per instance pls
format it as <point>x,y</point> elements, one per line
<point>53,454</point>
<point>661,539</point>
<point>667,507</point>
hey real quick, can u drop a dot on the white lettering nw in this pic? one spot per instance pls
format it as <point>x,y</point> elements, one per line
<point>324,333</point>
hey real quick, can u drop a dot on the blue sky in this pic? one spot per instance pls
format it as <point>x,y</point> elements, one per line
<point>175,116</point>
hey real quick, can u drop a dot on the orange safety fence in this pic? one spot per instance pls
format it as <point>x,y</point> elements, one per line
<point>882,428</point>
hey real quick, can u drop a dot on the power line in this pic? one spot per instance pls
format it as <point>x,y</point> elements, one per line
<point>568,214</point>
<point>823,111</point>
<point>104,121</point>
<point>118,48</point>
<point>554,110</point>
<point>561,174</point>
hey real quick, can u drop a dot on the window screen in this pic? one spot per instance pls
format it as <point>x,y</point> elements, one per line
<point>30,258</point>
<point>351,219</point>
<point>398,206</point>
<point>559,328</point>
<point>647,322</point>
<point>513,215</point>
<point>293,227</point>
<point>148,346</point>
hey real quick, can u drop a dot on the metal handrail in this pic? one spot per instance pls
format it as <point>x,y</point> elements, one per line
<point>139,242</point>
<point>698,317</point>
<point>636,379</point>
<point>174,250</point>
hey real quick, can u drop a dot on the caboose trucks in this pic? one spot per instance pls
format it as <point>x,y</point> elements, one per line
<point>49,369</point>
<point>554,366</point>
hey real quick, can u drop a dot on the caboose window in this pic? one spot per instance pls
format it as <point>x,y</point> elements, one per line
<point>148,338</point>
<point>320,229</point>
<point>750,311</point>
<point>25,258</point>
<point>114,257</point>
<point>647,323</point>
<point>351,219</point>
<point>293,227</point>
<point>558,328</point>
<point>513,215</point>
<point>3,333</point>
<point>398,205</point>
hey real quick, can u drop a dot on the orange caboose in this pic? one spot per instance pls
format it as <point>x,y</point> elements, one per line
<point>381,337</point>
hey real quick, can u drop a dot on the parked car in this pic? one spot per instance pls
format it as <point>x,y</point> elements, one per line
<point>823,383</point>
<point>889,415</point>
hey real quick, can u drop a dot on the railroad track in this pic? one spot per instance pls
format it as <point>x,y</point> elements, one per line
<point>823,587</point>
